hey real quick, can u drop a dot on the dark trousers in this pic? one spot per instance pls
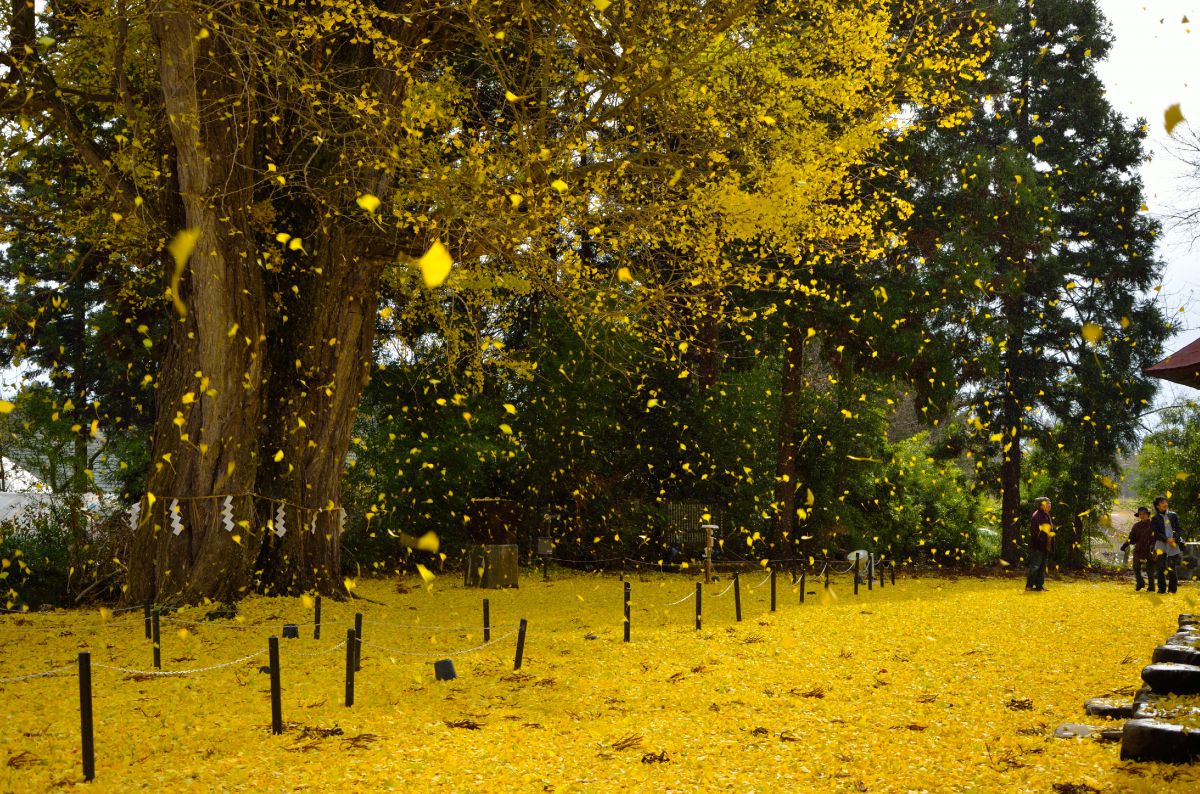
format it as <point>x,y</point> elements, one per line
<point>1137,572</point>
<point>1035,578</point>
<point>1167,581</point>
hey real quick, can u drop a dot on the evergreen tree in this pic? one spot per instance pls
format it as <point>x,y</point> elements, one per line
<point>1035,251</point>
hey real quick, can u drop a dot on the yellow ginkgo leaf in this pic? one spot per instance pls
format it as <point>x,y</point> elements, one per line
<point>601,5</point>
<point>435,265</point>
<point>516,199</point>
<point>429,542</point>
<point>1091,333</point>
<point>1172,118</point>
<point>505,429</point>
<point>426,574</point>
<point>6,407</point>
<point>278,455</point>
<point>368,202</point>
<point>623,274</point>
<point>180,248</point>
<point>349,583</point>
<point>559,185</point>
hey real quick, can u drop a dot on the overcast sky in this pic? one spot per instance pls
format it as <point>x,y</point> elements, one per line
<point>1155,63</point>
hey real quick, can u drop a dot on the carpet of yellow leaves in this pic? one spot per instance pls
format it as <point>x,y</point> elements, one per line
<point>934,685</point>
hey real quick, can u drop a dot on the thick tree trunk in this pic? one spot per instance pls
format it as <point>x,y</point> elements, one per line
<point>1012,522</point>
<point>321,370</point>
<point>208,401</point>
<point>792,381</point>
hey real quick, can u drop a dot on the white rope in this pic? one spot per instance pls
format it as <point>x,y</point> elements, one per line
<point>318,653</point>
<point>439,655</point>
<point>42,674</point>
<point>680,601</point>
<point>763,582</point>
<point>69,627</point>
<point>726,590</point>
<point>419,627</point>
<point>167,673</point>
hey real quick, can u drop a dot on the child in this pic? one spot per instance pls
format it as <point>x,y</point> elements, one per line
<point>1141,537</point>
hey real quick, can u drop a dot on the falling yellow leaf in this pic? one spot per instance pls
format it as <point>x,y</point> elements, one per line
<point>368,202</point>
<point>1091,333</point>
<point>349,583</point>
<point>426,574</point>
<point>601,5</point>
<point>435,265</point>
<point>623,274</point>
<point>6,407</point>
<point>1172,118</point>
<point>429,542</point>
<point>180,248</point>
<point>278,455</point>
<point>559,185</point>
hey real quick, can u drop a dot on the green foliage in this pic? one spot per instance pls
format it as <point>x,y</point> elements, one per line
<point>1169,465</point>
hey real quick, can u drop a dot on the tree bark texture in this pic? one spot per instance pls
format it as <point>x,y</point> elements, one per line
<point>209,394</point>
<point>792,381</point>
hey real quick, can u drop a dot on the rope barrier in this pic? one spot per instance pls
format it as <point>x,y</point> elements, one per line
<point>69,626</point>
<point>763,582</point>
<point>726,590</point>
<point>438,655</point>
<point>176,673</point>
<point>43,674</point>
<point>341,644</point>
<point>680,601</point>
<point>419,627</point>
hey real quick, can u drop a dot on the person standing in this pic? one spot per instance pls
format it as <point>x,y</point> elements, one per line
<point>1141,539</point>
<point>1041,541</point>
<point>1167,545</point>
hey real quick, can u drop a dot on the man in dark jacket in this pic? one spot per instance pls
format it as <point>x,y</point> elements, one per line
<point>1041,541</point>
<point>1168,545</point>
<point>1141,539</point>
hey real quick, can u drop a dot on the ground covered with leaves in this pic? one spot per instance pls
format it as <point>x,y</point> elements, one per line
<point>936,684</point>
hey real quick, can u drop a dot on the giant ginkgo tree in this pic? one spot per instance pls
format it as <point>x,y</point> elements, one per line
<point>283,158</point>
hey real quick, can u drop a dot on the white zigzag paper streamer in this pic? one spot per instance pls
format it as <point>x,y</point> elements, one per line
<point>227,513</point>
<point>312,526</point>
<point>135,513</point>
<point>176,517</point>
<point>280,528</point>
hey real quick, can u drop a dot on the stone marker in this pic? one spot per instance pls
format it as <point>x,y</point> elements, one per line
<point>1177,654</point>
<point>1154,740</point>
<point>1169,678</point>
<point>1111,709</point>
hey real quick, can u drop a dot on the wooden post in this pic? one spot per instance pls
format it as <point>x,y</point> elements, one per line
<point>85,715</point>
<point>487,621</point>
<point>772,589</point>
<point>708,544</point>
<point>699,592</point>
<point>317,619</point>
<point>276,698</point>
<point>855,574</point>
<point>146,612</point>
<point>893,569</point>
<point>826,574</point>
<point>871,572</point>
<point>627,612</point>
<point>803,585</point>
<point>520,645</point>
<point>880,568</point>
<point>350,638</point>
<point>357,641</point>
<point>157,644</point>
<point>737,597</point>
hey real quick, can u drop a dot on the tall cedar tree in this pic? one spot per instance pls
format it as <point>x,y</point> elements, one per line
<point>1029,231</point>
